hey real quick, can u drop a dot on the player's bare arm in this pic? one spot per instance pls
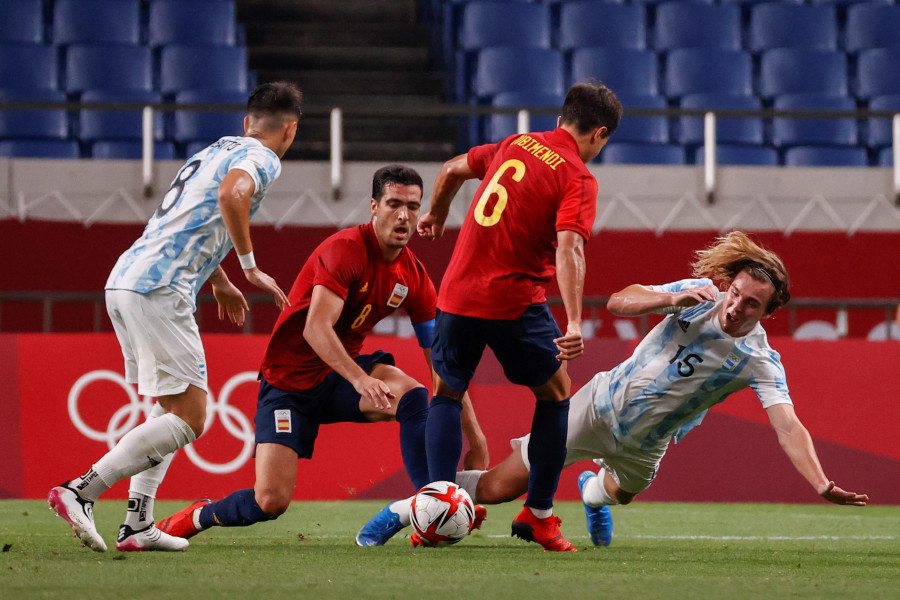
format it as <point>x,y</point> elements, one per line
<point>570,268</point>
<point>798,445</point>
<point>324,311</point>
<point>230,299</point>
<point>450,178</point>
<point>636,299</point>
<point>235,193</point>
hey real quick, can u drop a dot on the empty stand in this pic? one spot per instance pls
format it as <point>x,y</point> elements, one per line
<point>109,125</point>
<point>802,71</point>
<point>96,21</point>
<point>185,67</point>
<point>130,150</point>
<point>39,148</point>
<point>825,156</point>
<point>502,125</point>
<point>624,70</point>
<point>180,22</point>
<point>841,131</point>
<point>518,69</point>
<point>780,25</point>
<point>111,67</point>
<point>872,25</point>
<point>203,128</point>
<point>880,130</point>
<point>49,123</point>
<point>28,66</point>
<point>21,21</point>
<point>651,129</point>
<point>877,72</point>
<point>592,23</point>
<point>729,130</point>
<point>692,24</point>
<point>738,155</point>
<point>627,153</point>
<point>701,71</point>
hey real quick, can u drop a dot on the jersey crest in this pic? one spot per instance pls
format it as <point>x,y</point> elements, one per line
<point>398,295</point>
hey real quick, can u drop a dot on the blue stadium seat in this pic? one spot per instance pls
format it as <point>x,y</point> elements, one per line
<point>802,71</point>
<point>651,129</point>
<point>96,21</point>
<point>871,26</point>
<point>778,25</point>
<point>618,153</point>
<point>842,5</point>
<point>487,24</point>
<point>841,131</point>
<point>112,67</point>
<point>699,71</point>
<point>117,125</point>
<point>886,157</point>
<point>518,69</point>
<point>206,127</point>
<point>623,70</point>
<point>880,130</point>
<point>28,66</point>
<point>39,149</point>
<point>593,23</point>
<point>177,22</point>
<point>49,123</point>
<point>738,155</point>
<point>21,21</point>
<point>693,25</point>
<point>729,130</point>
<point>825,156</point>
<point>877,72</point>
<point>502,125</point>
<point>187,67</point>
<point>751,3</point>
<point>130,150</point>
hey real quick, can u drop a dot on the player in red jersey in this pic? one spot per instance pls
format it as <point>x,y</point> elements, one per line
<point>529,219</point>
<point>313,374</point>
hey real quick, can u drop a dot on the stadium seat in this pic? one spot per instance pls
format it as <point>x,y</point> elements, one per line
<point>96,21</point>
<point>39,149</point>
<point>624,70</point>
<point>879,333</point>
<point>117,125</point>
<point>176,22</point>
<point>206,127</point>
<point>505,69</point>
<point>886,157</point>
<point>187,67</point>
<point>28,67</point>
<point>779,25</point>
<point>871,25</point>
<point>50,123</point>
<point>842,5</point>
<point>111,67</point>
<point>729,130</point>
<point>502,125</point>
<point>21,21</point>
<point>738,155</point>
<point>696,25</point>
<point>802,71</point>
<point>699,71</point>
<point>488,24</point>
<point>880,132</point>
<point>877,73</point>
<point>650,129</point>
<point>840,131</point>
<point>130,150</point>
<point>594,23</point>
<point>825,156</point>
<point>816,330</point>
<point>627,153</point>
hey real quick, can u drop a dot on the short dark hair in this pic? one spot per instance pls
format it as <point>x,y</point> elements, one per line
<point>590,105</point>
<point>275,99</point>
<point>394,174</point>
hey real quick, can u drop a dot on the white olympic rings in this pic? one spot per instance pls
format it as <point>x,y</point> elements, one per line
<point>126,417</point>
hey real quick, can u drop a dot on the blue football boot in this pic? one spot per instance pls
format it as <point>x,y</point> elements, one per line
<point>380,528</point>
<point>599,518</point>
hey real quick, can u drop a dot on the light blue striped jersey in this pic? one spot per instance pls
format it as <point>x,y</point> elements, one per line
<point>682,367</point>
<point>186,239</point>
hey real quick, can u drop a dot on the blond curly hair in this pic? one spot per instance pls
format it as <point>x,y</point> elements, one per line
<point>734,253</point>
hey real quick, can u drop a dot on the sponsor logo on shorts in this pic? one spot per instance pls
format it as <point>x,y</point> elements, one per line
<point>398,295</point>
<point>283,421</point>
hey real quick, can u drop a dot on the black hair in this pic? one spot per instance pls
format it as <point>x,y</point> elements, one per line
<point>590,105</point>
<point>275,99</point>
<point>397,174</point>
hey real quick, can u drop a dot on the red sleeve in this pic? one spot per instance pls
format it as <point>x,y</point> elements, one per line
<point>425,300</point>
<point>479,158</point>
<point>578,207</point>
<point>339,264</point>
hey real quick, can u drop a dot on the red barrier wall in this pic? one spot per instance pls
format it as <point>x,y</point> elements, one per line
<point>845,392</point>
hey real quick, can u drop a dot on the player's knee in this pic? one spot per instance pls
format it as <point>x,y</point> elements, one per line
<point>274,504</point>
<point>623,497</point>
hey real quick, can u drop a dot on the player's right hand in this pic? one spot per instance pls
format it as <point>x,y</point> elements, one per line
<point>266,283</point>
<point>696,295</point>
<point>375,392</point>
<point>429,228</point>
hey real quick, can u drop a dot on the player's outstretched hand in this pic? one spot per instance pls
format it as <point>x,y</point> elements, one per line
<point>834,494</point>
<point>696,295</point>
<point>231,302</point>
<point>266,283</point>
<point>570,345</point>
<point>429,227</point>
<point>375,392</point>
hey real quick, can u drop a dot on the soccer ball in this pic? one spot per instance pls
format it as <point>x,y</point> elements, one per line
<point>442,513</point>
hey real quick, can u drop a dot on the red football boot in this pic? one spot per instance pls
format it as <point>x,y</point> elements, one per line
<point>181,524</point>
<point>543,531</point>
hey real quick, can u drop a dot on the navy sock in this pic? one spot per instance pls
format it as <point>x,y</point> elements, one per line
<point>546,452</point>
<point>238,509</point>
<point>443,438</point>
<point>412,414</point>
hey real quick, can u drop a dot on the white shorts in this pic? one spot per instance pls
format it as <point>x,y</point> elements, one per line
<point>160,340</point>
<point>590,438</point>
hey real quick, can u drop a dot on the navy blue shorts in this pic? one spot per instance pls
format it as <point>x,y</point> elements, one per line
<point>524,346</point>
<point>292,419</point>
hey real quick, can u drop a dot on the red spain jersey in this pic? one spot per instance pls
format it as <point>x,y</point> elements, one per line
<point>350,264</point>
<point>533,185</point>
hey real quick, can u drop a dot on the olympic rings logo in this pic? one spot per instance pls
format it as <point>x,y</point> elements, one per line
<point>137,409</point>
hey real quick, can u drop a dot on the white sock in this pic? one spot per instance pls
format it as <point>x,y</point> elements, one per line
<point>145,446</point>
<point>541,513</point>
<point>403,509</point>
<point>468,480</point>
<point>594,492</point>
<point>143,486</point>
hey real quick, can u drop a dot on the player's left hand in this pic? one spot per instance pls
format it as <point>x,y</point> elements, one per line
<point>231,302</point>
<point>266,283</point>
<point>570,345</point>
<point>834,494</point>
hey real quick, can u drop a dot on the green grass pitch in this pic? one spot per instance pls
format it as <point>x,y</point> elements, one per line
<point>660,550</point>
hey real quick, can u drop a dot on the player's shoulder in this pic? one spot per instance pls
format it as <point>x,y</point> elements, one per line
<point>681,284</point>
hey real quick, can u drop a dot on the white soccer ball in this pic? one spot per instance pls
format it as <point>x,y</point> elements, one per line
<point>442,513</point>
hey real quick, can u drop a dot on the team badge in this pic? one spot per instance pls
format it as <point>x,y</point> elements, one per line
<point>283,421</point>
<point>731,361</point>
<point>398,295</point>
